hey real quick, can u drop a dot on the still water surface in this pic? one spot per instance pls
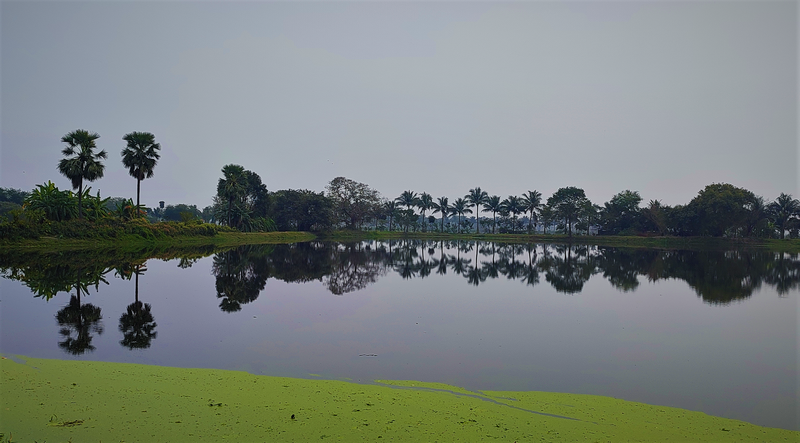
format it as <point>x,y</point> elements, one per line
<point>714,331</point>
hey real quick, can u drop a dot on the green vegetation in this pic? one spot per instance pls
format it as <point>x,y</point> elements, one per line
<point>56,400</point>
<point>243,203</point>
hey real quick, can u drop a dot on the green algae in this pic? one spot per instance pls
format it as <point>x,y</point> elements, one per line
<point>56,400</point>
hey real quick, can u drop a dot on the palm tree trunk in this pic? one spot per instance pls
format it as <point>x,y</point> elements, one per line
<point>138,184</point>
<point>80,202</point>
<point>477,219</point>
<point>494,224</point>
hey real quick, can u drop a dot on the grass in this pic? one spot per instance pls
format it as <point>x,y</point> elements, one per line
<point>134,242</point>
<point>224,239</point>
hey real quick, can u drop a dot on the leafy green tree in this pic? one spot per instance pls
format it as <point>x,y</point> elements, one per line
<point>13,195</point>
<point>621,215</point>
<point>721,209</point>
<point>531,202</point>
<point>477,198</point>
<point>425,203</point>
<point>567,205</point>
<point>175,212</point>
<point>493,204</point>
<point>656,215</point>
<point>81,162</point>
<point>782,210</point>
<point>442,206</point>
<point>408,199</point>
<point>302,210</point>
<point>353,202</point>
<point>140,157</point>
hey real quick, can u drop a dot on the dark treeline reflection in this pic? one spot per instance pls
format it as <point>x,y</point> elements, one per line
<point>47,275</point>
<point>718,277</point>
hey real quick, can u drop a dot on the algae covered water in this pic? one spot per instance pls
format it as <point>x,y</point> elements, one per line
<point>709,331</point>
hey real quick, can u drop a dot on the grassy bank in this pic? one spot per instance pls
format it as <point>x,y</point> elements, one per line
<point>136,243</point>
<point>225,237</point>
<point>59,401</point>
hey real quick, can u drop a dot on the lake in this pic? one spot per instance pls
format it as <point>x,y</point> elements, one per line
<point>708,330</point>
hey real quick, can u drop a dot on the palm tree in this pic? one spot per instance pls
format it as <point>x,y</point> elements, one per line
<point>408,199</point>
<point>425,202</point>
<point>391,210</point>
<point>81,162</point>
<point>513,204</point>
<point>140,157</point>
<point>493,204</point>
<point>531,201</point>
<point>782,209</point>
<point>461,207</point>
<point>443,207</point>
<point>476,198</point>
<point>232,186</point>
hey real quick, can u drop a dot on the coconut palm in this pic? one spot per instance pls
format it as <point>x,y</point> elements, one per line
<point>391,211</point>
<point>232,186</point>
<point>408,199</point>
<point>461,207</point>
<point>443,207</point>
<point>425,203</point>
<point>531,201</point>
<point>140,157</point>
<point>512,204</point>
<point>782,209</point>
<point>477,198</point>
<point>81,162</point>
<point>493,204</point>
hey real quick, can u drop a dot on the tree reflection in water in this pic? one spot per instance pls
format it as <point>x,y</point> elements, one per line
<point>137,323</point>
<point>718,277</point>
<point>78,321</point>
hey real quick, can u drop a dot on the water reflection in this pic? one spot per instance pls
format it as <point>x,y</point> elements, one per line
<point>49,274</point>
<point>718,277</point>
<point>77,321</point>
<point>137,324</point>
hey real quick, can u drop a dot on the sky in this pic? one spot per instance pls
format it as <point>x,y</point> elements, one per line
<point>658,97</point>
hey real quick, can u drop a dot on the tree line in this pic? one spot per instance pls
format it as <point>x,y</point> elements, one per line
<point>719,210</point>
<point>243,202</point>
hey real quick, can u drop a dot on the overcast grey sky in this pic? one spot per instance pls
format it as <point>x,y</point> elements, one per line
<point>658,97</point>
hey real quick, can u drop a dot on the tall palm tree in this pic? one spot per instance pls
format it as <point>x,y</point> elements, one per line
<point>531,201</point>
<point>232,186</point>
<point>391,210</point>
<point>425,203</point>
<point>493,204</point>
<point>476,198</point>
<point>782,209</point>
<point>443,207</point>
<point>408,199</point>
<point>140,157</point>
<point>461,207</point>
<point>513,204</point>
<point>81,162</point>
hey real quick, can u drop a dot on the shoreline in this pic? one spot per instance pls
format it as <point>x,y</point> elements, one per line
<point>233,239</point>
